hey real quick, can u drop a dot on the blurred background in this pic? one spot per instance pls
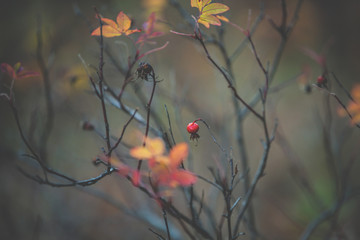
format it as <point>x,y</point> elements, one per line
<point>312,143</point>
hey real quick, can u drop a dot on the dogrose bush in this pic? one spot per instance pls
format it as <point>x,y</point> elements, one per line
<point>203,154</point>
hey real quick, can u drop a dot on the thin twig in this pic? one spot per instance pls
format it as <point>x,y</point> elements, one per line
<point>157,234</point>
<point>280,49</point>
<point>211,134</point>
<point>342,87</point>
<point>101,88</point>
<point>242,45</point>
<point>210,182</point>
<point>265,72</point>
<point>226,77</point>
<point>166,224</point>
<point>148,107</point>
<point>122,133</point>
<point>170,128</point>
<point>48,126</point>
<point>339,101</point>
<point>259,173</point>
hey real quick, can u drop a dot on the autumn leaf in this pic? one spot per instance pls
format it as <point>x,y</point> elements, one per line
<point>209,12</point>
<point>154,5</point>
<point>167,172</point>
<point>114,29</point>
<point>148,29</point>
<point>165,169</point>
<point>17,72</point>
<point>354,106</point>
<point>153,148</point>
<point>136,178</point>
<point>318,58</point>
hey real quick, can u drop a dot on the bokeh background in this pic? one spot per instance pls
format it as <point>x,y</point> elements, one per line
<point>191,88</point>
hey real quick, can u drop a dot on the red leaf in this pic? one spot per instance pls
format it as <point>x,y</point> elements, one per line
<point>6,68</point>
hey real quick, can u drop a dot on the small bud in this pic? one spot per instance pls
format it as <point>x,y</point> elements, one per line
<point>87,126</point>
<point>308,88</point>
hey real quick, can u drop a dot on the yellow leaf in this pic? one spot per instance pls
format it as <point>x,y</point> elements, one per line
<point>107,31</point>
<point>194,3</point>
<point>156,146</point>
<point>222,18</point>
<point>209,19</point>
<point>141,153</point>
<point>214,8</point>
<point>208,12</point>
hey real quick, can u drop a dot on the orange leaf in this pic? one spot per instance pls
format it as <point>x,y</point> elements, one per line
<point>184,178</point>
<point>114,29</point>
<point>176,178</point>
<point>123,22</point>
<point>107,31</point>
<point>165,169</point>
<point>178,154</point>
<point>109,22</point>
<point>355,92</point>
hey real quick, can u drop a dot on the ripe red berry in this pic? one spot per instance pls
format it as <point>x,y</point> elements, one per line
<point>192,128</point>
<point>321,80</point>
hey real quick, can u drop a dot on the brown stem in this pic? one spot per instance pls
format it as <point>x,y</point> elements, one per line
<point>230,85</point>
<point>166,224</point>
<point>148,107</point>
<point>48,98</point>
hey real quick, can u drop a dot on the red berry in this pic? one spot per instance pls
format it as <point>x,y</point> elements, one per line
<point>321,80</point>
<point>192,128</point>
